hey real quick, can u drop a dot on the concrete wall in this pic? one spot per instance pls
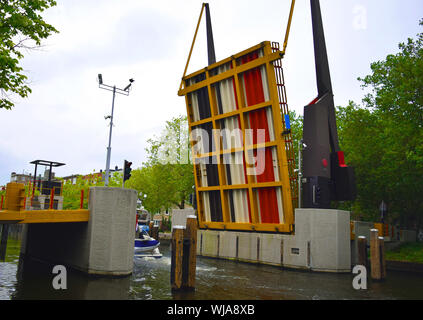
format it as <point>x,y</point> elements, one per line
<point>41,199</point>
<point>179,216</point>
<point>321,243</point>
<point>103,246</point>
<point>252,247</point>
<point>408,236</point>
<point>361,228</point>
<point>322,237</point>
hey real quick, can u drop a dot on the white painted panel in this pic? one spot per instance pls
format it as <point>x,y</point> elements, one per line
<point>194,102</point>
<point>269,117</point>
<point>206,208</point>
<point>227,91</point>
<point>258,206</point>
<point>203,173</point>
<point>264,79</point>
<point>280,206</point>
<point>275,164</point>
<point>245,201</point>
<point>238,206</point>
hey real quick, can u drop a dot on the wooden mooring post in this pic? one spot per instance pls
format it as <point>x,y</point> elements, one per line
<point>3,241</point>
<point>14,200</point>
<point>377,256</point>
<point>184,255</point>
<point>176,257</point>
<point>150,228</point>
<point>155,232</point>
<point>362,251</point>
<point>381,243</point>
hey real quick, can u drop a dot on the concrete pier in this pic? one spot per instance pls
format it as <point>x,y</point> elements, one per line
<point>102,246</point>
<point>321,243</point>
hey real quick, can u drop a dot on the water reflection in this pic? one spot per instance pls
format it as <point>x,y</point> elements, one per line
<point>35,282</point>
<point>216,279</point>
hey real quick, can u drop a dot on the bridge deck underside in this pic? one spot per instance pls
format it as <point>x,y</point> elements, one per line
<point>44,216</point>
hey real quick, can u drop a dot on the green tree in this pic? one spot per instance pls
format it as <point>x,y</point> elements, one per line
<point>296,131</point>
<point>167,177</point>
<point>21,28</point>
<point>72,192</point>
<point>397,84</point>
<point>359,138</point>
<point>383,141</point>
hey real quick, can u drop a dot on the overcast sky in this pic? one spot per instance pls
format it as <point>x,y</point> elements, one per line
<point>63,119</point>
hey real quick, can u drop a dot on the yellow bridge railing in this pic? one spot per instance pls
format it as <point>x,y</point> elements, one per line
<point>13,206</point>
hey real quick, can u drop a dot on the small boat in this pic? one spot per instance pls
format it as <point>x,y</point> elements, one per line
<point>149,254</point>
<point>145,243</point>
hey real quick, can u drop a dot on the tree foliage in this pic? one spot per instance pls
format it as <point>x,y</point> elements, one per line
<point>383,141</point>
<point>72,192</point>
<point>167,177</point>
<point>397,84</point>
<point>296,131</point>
<point>21,26</point>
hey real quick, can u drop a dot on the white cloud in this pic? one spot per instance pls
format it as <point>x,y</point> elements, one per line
<point>63,119</point>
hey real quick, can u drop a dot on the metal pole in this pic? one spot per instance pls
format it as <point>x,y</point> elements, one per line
<point>49,173</point>
<point>300,144</point>
<point>35,181</point>
<point>123,175</point>
<point>106,180</point>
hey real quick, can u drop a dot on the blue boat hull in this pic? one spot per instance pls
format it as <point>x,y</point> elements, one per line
<point>143,245</point>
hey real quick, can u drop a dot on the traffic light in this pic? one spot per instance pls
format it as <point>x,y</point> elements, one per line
<point>127,170</point>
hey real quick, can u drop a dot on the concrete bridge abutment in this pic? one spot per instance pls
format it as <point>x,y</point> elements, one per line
<point>321,243</point>
<point>102,246</point>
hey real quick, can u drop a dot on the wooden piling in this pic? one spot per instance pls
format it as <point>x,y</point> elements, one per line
<point>155,233</point>
<point>52,199</point>
<point>375,259</point>
<point>14,200</point>
<point>150,228</point>
<point>3,242</point>
<point>189,253</point>
<point>381,246</point>
<point>362,251</point>
<point>176,257</point>
<point>81,203</point>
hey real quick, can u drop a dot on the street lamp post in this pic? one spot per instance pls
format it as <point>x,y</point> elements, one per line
<point>115,90</point>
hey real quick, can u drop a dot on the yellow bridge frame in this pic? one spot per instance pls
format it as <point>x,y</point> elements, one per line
<point>236,72</point>
<point>15,197</point>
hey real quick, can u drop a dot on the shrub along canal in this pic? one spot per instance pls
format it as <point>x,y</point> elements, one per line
<point>216,279</point>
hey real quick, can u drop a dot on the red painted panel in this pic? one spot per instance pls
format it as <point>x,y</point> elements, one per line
<point>243,160</point>
<point>341,159</point>
<point>258,120</point>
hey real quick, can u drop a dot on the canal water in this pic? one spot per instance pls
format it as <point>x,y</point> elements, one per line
<point>216,280</point>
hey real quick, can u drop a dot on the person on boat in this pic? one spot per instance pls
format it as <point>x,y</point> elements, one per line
<point>140,233</point>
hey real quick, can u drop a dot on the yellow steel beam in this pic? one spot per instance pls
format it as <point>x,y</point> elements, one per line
<point>11,216</point>
<point>245,147</point>
<point>44,216</point>
<point>254,185</point>
<point>229,59</point>
<point>251,185</point>
<point>269,227</point>
<point>288,28</point>
<point>200,212</point>
<point>231,72</point>
<point>281,148</point>
<point>254,107</point>
<point>192,45</point>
